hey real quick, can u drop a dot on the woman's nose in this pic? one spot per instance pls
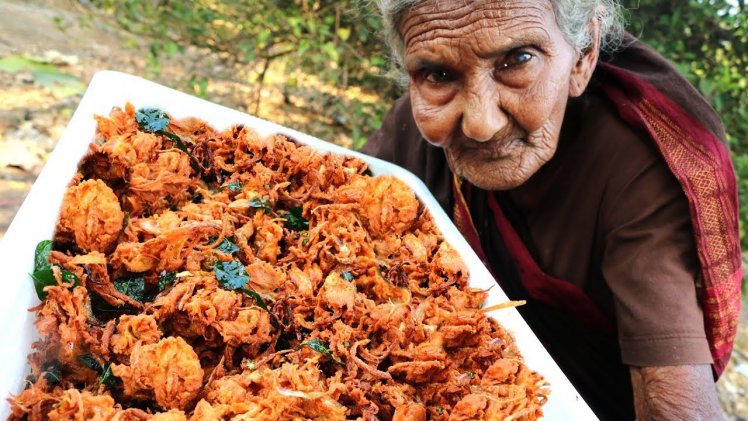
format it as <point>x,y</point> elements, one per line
<point>483,117</point>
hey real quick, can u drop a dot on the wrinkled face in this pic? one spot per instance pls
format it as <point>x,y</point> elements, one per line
<point>489,83</point>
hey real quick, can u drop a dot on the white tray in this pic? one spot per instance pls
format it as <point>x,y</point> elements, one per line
<point>37,216</point>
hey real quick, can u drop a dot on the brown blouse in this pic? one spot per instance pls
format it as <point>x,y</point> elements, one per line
<point>606,214</point>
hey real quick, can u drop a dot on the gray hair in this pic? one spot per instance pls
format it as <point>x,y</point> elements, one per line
<point>572,17</point>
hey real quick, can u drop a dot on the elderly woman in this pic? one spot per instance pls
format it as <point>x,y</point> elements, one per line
<point>591,178</point>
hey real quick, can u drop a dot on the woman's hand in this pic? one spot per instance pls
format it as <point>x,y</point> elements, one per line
<point>679,392</point>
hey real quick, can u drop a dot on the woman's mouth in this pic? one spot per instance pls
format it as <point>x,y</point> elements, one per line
<point>495,149</point>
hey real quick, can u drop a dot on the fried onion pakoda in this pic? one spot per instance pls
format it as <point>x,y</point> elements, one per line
<point>198,274</point>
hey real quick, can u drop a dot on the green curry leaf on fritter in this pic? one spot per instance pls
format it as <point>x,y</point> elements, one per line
<point>227,246</point>
<point>154,120</point>
<point>257,297</point>
<point>261,204</point>
<point>43,274</point>
<point>294,219</point>
<point>231,275</point>
<point>165,280</point>
<point>106,377</point>
<point>317,345</point>
<point>233,187</point>
<point>132,287</point>
<point>51,371</point>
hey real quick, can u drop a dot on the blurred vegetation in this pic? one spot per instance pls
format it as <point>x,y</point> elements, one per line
<point>339,42</point>
<point>336,41</point>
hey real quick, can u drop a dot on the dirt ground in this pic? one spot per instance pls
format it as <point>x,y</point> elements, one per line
<point>49,50</point>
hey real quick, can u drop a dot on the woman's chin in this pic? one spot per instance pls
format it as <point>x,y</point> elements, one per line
<point>493,175</point>
<point>491,172</point>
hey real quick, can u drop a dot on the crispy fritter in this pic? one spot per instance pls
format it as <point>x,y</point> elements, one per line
<point>389,205</point>
<point>168,370</point>
<point>82,406</point>
<point>91,216</point>
<point>132,330</point>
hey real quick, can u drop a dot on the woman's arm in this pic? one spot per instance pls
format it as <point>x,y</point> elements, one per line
<point>679,392</point>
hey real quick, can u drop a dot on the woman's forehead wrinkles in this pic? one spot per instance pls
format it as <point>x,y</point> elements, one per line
<point>456,19</point>
<point>428,51</point>
<point>427,11</point>
<point>484,44</point>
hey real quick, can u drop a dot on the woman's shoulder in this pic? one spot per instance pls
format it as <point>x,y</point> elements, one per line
<point>638,58</point>
<point>596,145</point>
<point>615,168</point>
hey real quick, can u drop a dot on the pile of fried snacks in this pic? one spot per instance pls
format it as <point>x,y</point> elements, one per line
<point>205,275</point>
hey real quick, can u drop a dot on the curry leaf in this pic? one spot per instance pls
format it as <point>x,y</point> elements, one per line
<point>43,278</point>
<point>231,275</point>
<point>295,221</point>
<point>46,277</point>
<point>177,140</point>
<point>227,246</point>
<point>347,276</point>
<point>234,186</point>
<point>52,372</point>
<point>107,378</point>
<point>263,204</point>
<point>89,361</point>
<point>132,287</point>
<point>317,345</point>
<point>43,275</point>
<point>101,308</point>
<point>41,256</point>
<point>70,278</point>
<point>152,119</point>
<point>165,280</point>
<point>257,297</point>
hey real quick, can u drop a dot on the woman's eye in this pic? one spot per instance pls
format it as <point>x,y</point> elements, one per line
<point>438,76</point>
<point>517,58</point>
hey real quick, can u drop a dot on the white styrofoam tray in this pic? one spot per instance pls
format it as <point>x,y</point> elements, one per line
<point>37,216</point>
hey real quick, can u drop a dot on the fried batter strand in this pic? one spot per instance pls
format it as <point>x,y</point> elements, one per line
<point>251,278</point>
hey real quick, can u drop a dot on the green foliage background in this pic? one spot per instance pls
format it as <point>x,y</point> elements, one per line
<point>338,41</point>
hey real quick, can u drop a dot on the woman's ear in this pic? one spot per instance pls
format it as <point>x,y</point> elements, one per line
<point>582,71</point>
